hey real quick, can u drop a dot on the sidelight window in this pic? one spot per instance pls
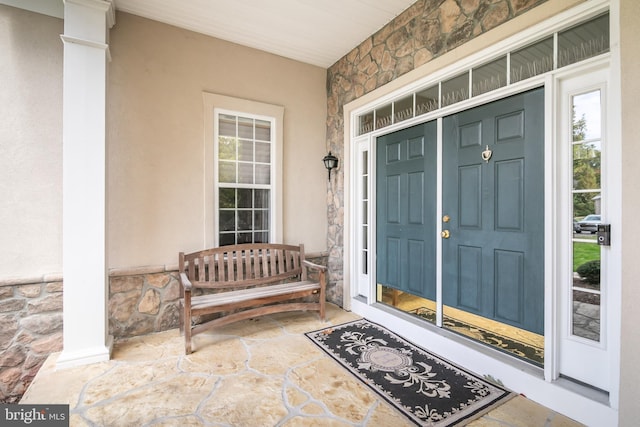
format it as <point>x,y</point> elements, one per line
<point>587,213</point>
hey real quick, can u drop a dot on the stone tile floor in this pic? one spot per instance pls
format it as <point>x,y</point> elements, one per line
<point>259,372</point>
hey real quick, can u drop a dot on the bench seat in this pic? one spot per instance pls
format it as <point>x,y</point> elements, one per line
<point>245,281</point>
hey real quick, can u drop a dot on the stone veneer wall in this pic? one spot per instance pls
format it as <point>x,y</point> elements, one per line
<point>30,330</point>
<point>141,301</point>
<point>426,30</point>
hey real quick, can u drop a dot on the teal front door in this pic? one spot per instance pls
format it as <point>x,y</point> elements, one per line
<point>493,211</point>
<point>406,210</point>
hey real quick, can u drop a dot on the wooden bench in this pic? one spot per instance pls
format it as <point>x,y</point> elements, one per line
<point>246,281</point>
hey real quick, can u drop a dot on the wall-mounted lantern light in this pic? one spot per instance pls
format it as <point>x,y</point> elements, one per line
<point>330,162</point>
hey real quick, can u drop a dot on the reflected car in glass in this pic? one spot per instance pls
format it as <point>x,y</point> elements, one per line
<point>588,224</point>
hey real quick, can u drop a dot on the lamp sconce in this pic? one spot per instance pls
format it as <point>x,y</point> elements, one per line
<point>330,162</point>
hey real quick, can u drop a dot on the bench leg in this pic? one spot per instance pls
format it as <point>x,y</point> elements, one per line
<point>181,317</point>
<point>323,296</point>
<point>185,324</point>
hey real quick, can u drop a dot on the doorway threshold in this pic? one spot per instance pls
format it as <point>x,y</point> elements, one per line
<point>517,363</point>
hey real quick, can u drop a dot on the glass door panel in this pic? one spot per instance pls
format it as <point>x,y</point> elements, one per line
<point>587,147</point>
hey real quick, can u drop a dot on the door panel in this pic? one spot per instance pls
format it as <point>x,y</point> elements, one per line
<point>406,210</point>
<point>493,260</point>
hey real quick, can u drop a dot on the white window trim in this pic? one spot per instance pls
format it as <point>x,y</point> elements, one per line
<point>213,102</point>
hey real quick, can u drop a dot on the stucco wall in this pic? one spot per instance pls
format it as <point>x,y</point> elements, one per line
<point>156,142</point>
<point>30,143</point>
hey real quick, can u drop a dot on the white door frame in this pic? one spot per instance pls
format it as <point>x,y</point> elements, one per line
<point>550,392</point>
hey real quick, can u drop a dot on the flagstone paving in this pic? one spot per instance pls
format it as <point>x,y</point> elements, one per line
<point>259,372</point>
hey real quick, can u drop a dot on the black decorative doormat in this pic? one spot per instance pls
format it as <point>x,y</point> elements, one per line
<point>426,388</point>
<point>513,346</point>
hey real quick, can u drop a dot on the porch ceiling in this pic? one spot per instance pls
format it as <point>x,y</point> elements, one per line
<point>317,32</point>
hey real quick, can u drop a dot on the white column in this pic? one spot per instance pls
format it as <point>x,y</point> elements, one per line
<point>86,27</point>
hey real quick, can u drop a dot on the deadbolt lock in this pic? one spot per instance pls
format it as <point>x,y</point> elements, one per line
<point>445,234</point>
<point>446,218</point>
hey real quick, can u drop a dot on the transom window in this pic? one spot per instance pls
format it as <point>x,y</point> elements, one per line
<point>557,50</point>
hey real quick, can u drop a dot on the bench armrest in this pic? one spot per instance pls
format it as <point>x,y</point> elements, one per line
<point>314,266</point>
<point>186,283</point>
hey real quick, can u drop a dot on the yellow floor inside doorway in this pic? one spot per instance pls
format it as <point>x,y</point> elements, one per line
<point>511,340</point>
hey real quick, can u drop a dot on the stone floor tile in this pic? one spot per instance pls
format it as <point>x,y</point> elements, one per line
<point>160,345</point>
<point>122,378</point>
<point>342,394</point>
<point>171,397</point>
<point>186,421</point>
<point>278,355</point>
<point>385,415</point>
<point>61,386</point>
<point>246,399</point>
<point>305,421</point>
<point>521,412</point>
<point>258,328</point>
<point>220,355</point>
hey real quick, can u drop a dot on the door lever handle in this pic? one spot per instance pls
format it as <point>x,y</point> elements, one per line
<point>445,234</point>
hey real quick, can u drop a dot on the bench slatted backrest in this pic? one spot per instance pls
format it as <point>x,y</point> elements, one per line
<point>244,265</point>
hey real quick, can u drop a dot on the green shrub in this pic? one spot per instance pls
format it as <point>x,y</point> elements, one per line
<point>590,271</point>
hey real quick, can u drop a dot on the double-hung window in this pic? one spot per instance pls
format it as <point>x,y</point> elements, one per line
<point>243,186</point>
<point>244,150</point>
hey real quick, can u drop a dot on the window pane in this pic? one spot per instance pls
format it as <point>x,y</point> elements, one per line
<point>583,41</point>
<point>245,173</point>
<point>587,117</point>
<point>227,239</point>
<point>365,123</point>
<point>532,60</point>
<point>226,148</point>
<point>427,100</point>
<point>245,238</point>
<point>586,305</point>
<point>455,89</point>
<point>365,187</point>
<point>365,235</point>
<point>584,204</point>
<point>365,162</point>
<point>227,172</point>
<point>245,196</point>
<point>261,220</point>
<point>263,152</point>
<point>261,199</point>
<point>263,174</point>
<point>263,130</point>
<point>227,197</point>
<point>245,150</point>
<point>365,262</point>
<point>586,166</point>
<point>244,220</point>
<point>383,116</point>
<point>261,237</point>
<point>245,128</point>
<point>403,109</point>
<point>490,76</point>
<point>227,220</point>
<point>226,125</point>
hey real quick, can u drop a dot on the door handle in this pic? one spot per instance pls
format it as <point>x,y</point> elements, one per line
<point>445,234</point>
